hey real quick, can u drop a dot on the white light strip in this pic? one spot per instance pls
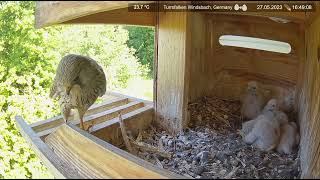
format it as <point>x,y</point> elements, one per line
<point>255,43</point>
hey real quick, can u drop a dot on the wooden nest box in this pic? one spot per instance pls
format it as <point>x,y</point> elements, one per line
<point>190,63</point>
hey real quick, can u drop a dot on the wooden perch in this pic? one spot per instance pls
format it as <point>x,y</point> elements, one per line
<point>150,148</point>
<point>138,143</point>
<point>125,136</point>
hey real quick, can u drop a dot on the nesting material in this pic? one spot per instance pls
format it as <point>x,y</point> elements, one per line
<point>213,148</point>
<point>125,136</point>
<point>215,113</point>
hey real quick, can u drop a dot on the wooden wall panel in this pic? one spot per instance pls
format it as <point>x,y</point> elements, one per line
<point>309,104</point>
<point>172,67</point>
<point>198,73</point>
<point>117,16</point>
<point>224,70</point>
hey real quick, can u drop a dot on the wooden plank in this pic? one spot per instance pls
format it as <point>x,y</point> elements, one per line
<point>109,114</point>
<point>95,108</point>
<point>309,104</point>
<point>125,117</point>
<point>45,133</point>
<point>55,12</point>
<point>135,121</point>
<point>131,98</point>
<point>173,64</point>
<point>201,31</point>
<point>58,120</point>
<point>155,63</point>
<point>96,158</point>
<point>97,118</point>
<point>117,16</point>
<point>311,16</point>
<point>300,71</point>
<point>59,168</point>
<point>75,160</point>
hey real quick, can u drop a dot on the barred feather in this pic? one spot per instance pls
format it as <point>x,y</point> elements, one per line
<point>87,81</point>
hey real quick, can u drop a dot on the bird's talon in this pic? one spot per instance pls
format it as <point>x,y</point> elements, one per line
<point>88,128</point>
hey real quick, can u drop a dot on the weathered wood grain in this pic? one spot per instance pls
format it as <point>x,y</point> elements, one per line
<point>95,158</point>
<point>117,16</point>
<point>58,167</point>
<point>309,104</point>
<point>58,120</point>
<point>97,118</point>
<point>56,12</point>
<point>172,68</point>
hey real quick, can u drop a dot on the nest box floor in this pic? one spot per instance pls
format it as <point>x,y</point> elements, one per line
<point>213,148</point>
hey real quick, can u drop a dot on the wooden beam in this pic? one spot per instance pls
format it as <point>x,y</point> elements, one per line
<point>43,134</point>
<point>125,117</point>
<point>131,98</point>
<point>173,70</point>
<point>309,104</point>
<point>55,12</point>
<point>58,120</point>
<point>95,158</point>
<point>59,168</point>
<point>155,63</point>
<point>109,114</point>
<point>117,16</point>
<point>311,16</point>
<point>97,118</point>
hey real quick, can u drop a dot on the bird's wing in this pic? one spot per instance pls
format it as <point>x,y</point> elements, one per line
<point>250,138</point>
<point>93,83</point>
<point>63,65</point>
<point>93,79</point>
<point>54,89</point>
<point>101,81</point>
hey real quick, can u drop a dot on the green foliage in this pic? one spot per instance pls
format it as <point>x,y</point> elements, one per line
<point>28,59</point>
<point>25,75</point>
<point>142,40</point>
<point>107,45</point>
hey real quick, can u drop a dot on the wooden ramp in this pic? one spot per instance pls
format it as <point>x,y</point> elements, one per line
<point>70,152</point>
<point>93,158</point>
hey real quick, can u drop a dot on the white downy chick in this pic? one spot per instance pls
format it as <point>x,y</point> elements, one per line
<point>252,102</point>
<point>266,131</point>
<point>289,138</point>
